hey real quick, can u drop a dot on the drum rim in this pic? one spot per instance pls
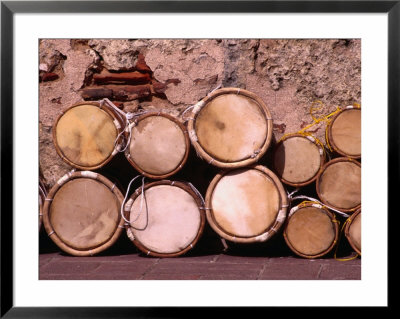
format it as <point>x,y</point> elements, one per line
<point>317,183</point>
<point>309,181</point>
<point>187,146</point>
<point>349,222</point>
<point>58,149</point>
<point>330,137</point>
<point>247,161</point>
<point>49,228</point>
<point>265,235</point>
<point>200,204</point>
<point>333,221</point>
<point>43,195</point>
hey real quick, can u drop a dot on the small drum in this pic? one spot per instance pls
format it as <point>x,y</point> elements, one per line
<point>298,159</point>
<point>167,221</point>
<point>352,231</point>
<point>81,213</point>
<point>311,230</point>
<point>159,145</point>
<point>230,128</point>
<point>246,205</point>
<point>339,184</point>
<point>87,135</point>
<point>42,197</point>
<point>343,132</point>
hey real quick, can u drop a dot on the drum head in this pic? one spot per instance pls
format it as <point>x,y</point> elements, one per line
<point>85,135</point>
<point>354,232</point>
<point>245,203</point>
<point>310,231</point>
<point>231,127</point>
<point>339,184</point>
<point>297,160</point>
<point>84,213</point>
<point>167,220</point>
<point>158,145</point>
<point>346,132</point>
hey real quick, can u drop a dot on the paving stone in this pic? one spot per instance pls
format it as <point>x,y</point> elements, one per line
<point>171,277</point>
<point>290,271</point>
<point>225,258</point>
<point>340,272</point>
<point>191,259</point>
<point>72,267</point>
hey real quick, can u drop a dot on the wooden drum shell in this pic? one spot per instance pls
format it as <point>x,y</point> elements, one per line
<point>353,136</point>
<point>114,193</point>
<point>309,220</point>
<point>183,159</point>
<point>339,182</point>
<point>356,246</point>
<point>279,170</point>
<point>115,117</point>
<point>256,233</point>
<point>143,247</point>
<point>211,159</point>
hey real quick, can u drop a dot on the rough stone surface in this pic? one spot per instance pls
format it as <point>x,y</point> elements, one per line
<point>289,75</point>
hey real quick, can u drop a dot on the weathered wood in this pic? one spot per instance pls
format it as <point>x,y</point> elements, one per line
<point>135,77</point>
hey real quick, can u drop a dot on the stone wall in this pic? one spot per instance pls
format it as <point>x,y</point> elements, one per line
<point>289,75</point>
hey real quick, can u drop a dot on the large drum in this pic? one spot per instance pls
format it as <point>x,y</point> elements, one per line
<point>246,205</point>
<point>311,230</point>
<point>344,132</point>
<point>166,218</point>
<point>352,231</point>
<point>87,135</point>
<point>159,145</point>
<point>82,213</point>
<point>298,159</point>
<point>339,184</point>
<point>230,128</point>
<point>42,197</point>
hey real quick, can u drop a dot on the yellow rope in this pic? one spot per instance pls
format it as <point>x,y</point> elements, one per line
<point>348,220</point>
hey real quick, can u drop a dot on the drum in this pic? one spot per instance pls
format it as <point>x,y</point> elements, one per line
<point>246,205</point>
<point>343,132</point>
<point>159,145</point>
<point>166,218</point>
<point>81,213</point>
<point>230,128</point>
<point>311,230</point>
<point>352,231</point>
<point>339,184</point>
<point>42,197</point>
<point>87,135</point>
<point>297,159</point>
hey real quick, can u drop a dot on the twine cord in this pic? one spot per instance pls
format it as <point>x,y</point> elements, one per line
<point>348,220</point>
<point>126,196</point>
<point>320,203</point>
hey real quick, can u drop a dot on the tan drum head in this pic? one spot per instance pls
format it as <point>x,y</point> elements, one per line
<point>345,133</point>
<point>83,215</point>
<point>246,205</point>
<point>167,221</point>
<point>159,145</point>
<point>298,159</point>
<point>311,231</point>
<point>233,128</point>
<point>339,184</point>
<point>353,231</point>
<point>85,136</point>
<point>42,197</point>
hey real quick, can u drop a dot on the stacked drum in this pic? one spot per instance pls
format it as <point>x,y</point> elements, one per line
<point>246,202</point>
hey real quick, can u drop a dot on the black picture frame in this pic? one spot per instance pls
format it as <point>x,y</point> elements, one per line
<point>9,8</point>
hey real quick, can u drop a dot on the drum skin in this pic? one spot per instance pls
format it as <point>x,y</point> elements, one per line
<point>298,159</point>
<point>230,128</point>
<point>85,135</point>
<point>353,231</point>
<point>167,221</point>
<point>339,184</point>
<point>159,145</point>
<point>82,213</point>
<point>311,231</point>
<point>246,205</point>
<point>344,132</point>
